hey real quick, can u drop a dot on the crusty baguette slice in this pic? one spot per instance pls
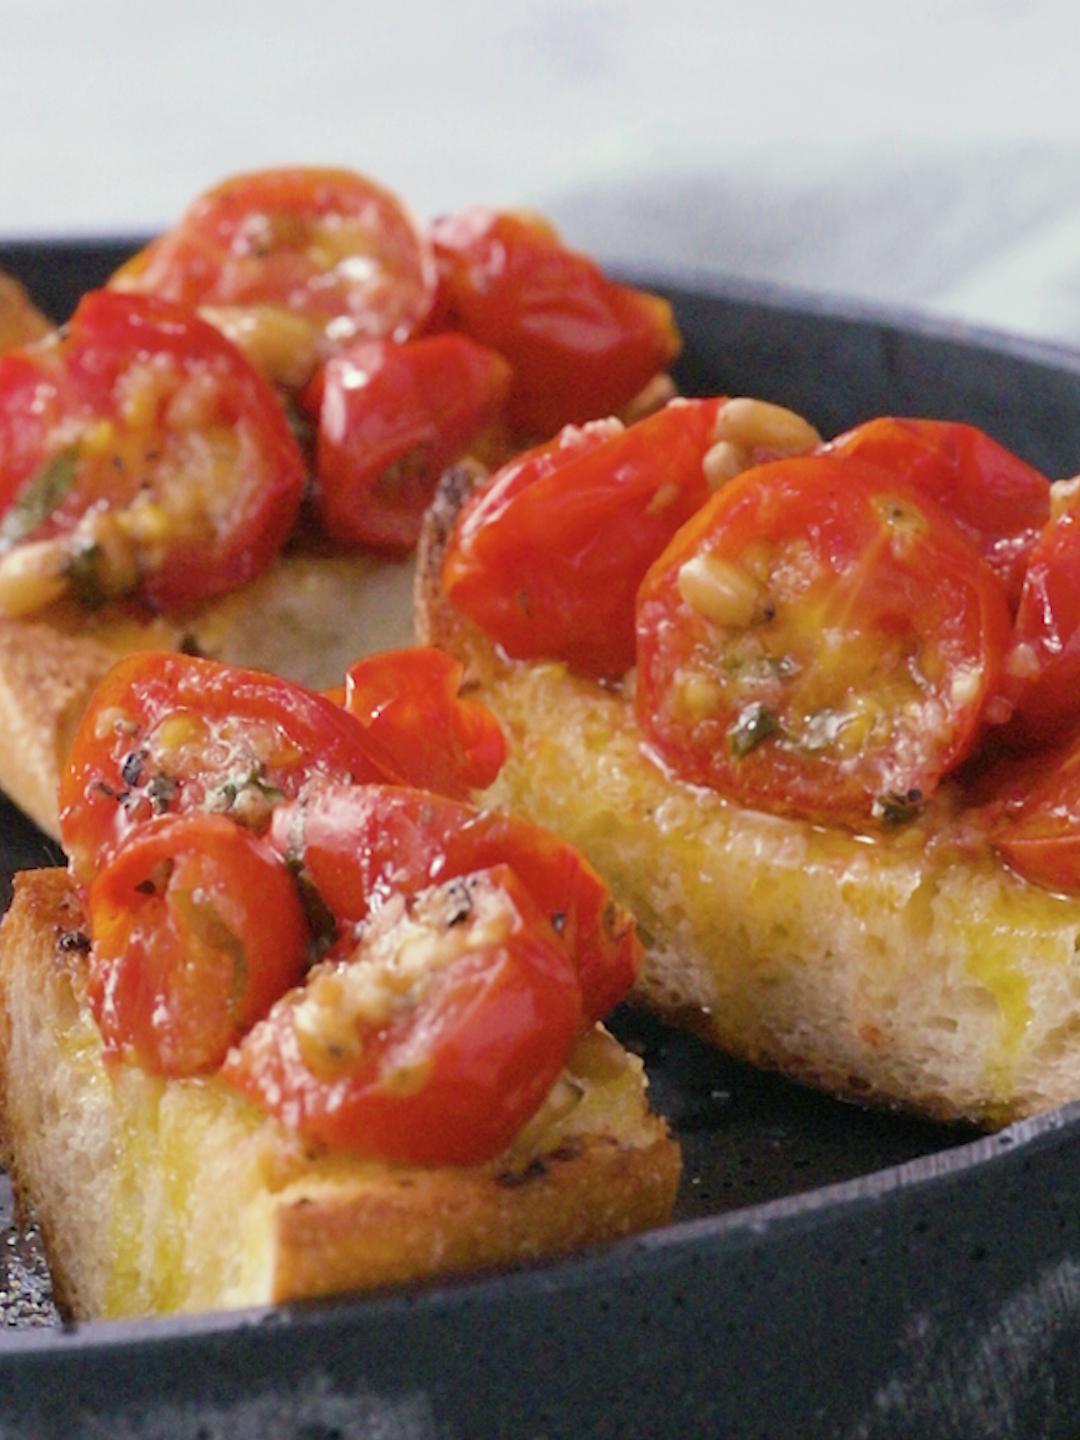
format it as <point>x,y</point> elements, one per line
<point>159,1196</point>
<point>895,971</point>
<point>308,618</point>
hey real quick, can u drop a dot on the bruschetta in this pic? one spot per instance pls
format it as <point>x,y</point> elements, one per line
<point>815,734</point>
<point>290,1025</point>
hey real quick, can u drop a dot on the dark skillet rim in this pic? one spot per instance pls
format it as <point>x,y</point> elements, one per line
<point>647,1257</point>
<point>643,1258</point>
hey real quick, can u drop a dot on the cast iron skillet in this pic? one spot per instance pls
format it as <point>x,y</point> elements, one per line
<point>831,1273</point>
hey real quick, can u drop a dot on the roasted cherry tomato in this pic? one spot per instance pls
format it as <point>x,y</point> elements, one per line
<point>580,346</point>
<point>434,1041</point>
<point>1042,669</point>
<point>548,557</point>
<point>818,641</point>
<point>326,247</point>
<point>168,733</point>
<point>1038,818</point>
<point>391,418</point>
<point>197,929</point>
<point>1000,503</point>
<point>360,845</point>
<point>139,454</point>
<point>408,701</point>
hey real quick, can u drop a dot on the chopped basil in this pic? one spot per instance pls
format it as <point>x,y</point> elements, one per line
<point>84,577</point>
<point>754,724</point>
<point>318,914</point>
<point>40,496</point>
<point>161,792</point>
<point>897,807</point>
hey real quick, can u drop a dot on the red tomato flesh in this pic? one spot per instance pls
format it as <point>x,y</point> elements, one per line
<point>391,418</point>
<point>197,931</point>
<point>434,1040</point>
<point>166,734</point>
<point>1000,503</point>
<point>548,557</point>
<point>361,845</point>
<point>152,448</point>
<point>818,641</point>
<point>408,701</point>
<point>580,346</point>
<point>327,244</point>
<point>1038,826</point>
<point>1042,668</point>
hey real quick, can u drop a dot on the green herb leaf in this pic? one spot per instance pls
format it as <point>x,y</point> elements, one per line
<point>40,496</point>
<point>755,723</point>
<point>318,914</point>
<point>897,808</point>
<point>84,577</point>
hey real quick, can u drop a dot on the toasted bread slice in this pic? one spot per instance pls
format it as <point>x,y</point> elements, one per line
<point>307,618</point>
<point>899,971</point>
<point>158,1196</point>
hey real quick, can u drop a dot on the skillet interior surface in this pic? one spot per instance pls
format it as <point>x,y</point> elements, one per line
<point>734,1320</point>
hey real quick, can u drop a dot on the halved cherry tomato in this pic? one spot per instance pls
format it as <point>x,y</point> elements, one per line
<point>391,418</point>
<point>1038,829</point>
<point>548,557</point>
<point>408,700</point>
<point>361,845</point>
<point>580,345</point>
<point>1000,503</point>
<point>434,1040</point>
<point>328,247</point>
<point>818,641</point>
<point>167,733</point>
<point>1042,669</point>
<point>197,929</point>
<point>145,455</point>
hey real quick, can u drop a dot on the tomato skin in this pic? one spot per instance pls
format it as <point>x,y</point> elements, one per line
<point>359,845</point>
<point>183,966</point>
<point>140,394</point>
<point>447,1080</point>
<point>1035,817</point>
<point>391,418</point>
<point>1043,664</point>
<point>842,646</point>
<point>408,701</point>
<point>997,500</point>
<point>548,557</point>
<point>167,733</point>
<point>292,238</point>
<point>580,346</point>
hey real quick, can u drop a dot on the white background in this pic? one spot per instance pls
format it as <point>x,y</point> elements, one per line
<point>927,153</point>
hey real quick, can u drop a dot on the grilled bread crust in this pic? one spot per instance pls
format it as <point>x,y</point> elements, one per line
<point>898,971</point>
<point>158,1196</point>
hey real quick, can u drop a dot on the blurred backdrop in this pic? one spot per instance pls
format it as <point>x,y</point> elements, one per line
<point>914,152</point>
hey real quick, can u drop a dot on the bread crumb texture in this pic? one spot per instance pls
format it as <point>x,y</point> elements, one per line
<point>882,970</point>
